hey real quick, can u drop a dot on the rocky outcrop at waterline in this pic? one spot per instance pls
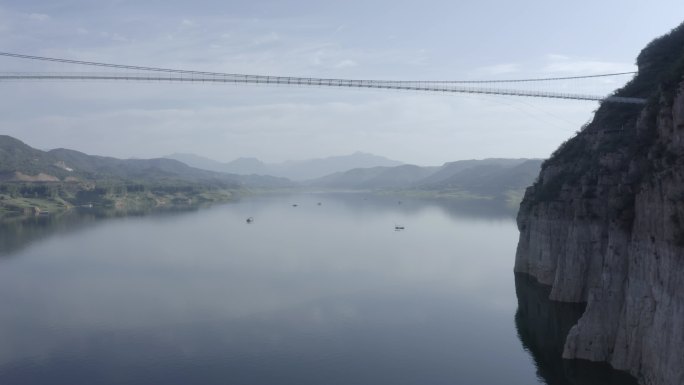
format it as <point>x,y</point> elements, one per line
<point>542,327</point>
<point>604,224</point>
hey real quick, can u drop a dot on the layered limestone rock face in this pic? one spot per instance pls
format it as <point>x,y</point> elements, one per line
<point>604,224</point>
<point>542,327</point>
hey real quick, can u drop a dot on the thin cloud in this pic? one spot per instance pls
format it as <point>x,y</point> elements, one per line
<point>561,64</point>
<point>500,69</point>
<point>346,64</point>
<point>267,39</point>
<point>115,37</point>
<point>38,16</point>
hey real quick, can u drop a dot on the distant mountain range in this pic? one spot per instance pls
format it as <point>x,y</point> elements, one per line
<point>487,177</point>
<point>482,178</point>
<point>494,177</point>
<point>22,163</point>
<point>374,178</point>
<point>34,181</point>
<point>295,170</point>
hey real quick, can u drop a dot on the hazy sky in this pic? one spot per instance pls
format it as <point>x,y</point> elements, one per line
<point>387,39</point>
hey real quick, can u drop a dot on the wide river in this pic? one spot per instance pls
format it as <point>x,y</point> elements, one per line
<point>326,292</point>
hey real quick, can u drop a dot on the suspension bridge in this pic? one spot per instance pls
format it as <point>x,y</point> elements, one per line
<point>507,87</point>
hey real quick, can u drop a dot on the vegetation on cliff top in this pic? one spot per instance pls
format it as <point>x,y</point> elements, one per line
<point>613,132</point>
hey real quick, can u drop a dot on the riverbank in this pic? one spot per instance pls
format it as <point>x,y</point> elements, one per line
<point>27,206</point>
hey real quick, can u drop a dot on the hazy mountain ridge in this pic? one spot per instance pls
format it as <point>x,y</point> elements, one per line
<point>491,177</point>
<point>449,169</point>
<point>19,161</point>
<point>374,178</point>
<point>295,170</point>
<point>33,182</point>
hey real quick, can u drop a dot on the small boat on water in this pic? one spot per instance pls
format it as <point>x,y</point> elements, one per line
<point>294,205</point>
<point>398,227</point>
<point>250,220</point>
<point>319,203</point>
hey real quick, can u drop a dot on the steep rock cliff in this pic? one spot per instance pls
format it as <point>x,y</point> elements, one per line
<point>604,224</point>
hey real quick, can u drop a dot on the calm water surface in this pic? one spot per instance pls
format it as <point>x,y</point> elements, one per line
<point>313,294</point>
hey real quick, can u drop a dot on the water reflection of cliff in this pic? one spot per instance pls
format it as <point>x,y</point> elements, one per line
<point>542,328</point>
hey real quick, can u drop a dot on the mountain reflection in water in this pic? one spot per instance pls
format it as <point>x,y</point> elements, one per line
<point>19,232</point>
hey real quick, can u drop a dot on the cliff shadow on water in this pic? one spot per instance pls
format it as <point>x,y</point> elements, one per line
<point>543,326</point>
